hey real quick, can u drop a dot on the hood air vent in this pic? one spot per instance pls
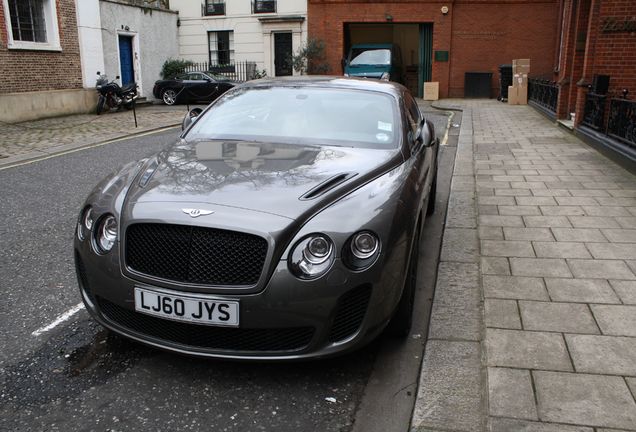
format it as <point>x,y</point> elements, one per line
<point>327,185</point>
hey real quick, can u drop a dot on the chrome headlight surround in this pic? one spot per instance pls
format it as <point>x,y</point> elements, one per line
<point>312,256</point>
<point>85,223</point>
<point>361,250</point>
<point>105,234</point>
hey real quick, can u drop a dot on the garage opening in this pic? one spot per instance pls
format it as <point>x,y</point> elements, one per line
<point>414,41</point>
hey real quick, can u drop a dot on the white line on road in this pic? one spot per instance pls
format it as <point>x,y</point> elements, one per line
<point>59,320</point>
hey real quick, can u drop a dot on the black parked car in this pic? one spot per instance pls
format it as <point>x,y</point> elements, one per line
<point>192,87</point>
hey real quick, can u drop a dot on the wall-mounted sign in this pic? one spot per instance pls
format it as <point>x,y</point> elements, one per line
<point>618,25</point>
<point>441,56</point>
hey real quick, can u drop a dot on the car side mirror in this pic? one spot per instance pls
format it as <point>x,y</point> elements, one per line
<point>190,118</point>
<point>427,133</point>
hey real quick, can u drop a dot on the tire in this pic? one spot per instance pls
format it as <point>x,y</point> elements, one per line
<point>169,97</point>
<point>402,320</point>
<point>430,209</point>
<point>101,102</point>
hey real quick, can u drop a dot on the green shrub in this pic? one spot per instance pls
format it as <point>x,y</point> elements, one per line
<point>173,67</point>
<point>310,58</point>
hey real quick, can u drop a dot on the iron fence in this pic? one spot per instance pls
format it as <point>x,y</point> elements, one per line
<point>238,71</point>
<point>544,93</point>
<point>594,111</point>
<point>622,121</point>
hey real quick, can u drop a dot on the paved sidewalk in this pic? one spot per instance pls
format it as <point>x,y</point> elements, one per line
<point>33,139</point>
<point>557,262</point>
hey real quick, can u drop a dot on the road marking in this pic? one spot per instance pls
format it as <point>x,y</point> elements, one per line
<point>448,126</point>
<point>59,320</point>
<point>39,159</point>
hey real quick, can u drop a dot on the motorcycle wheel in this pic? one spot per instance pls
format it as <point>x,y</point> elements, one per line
<point>169,97</point>
<point>101,102</point>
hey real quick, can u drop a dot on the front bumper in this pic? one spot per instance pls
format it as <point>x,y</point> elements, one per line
<point>289,319</point>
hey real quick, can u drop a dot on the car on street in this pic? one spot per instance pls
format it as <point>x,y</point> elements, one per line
<point>379,61</point>
<point>192,87</point>
<point>283,224</point>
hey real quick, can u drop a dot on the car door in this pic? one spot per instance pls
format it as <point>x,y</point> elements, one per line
<point>423,156</point>
<point>201,87</point>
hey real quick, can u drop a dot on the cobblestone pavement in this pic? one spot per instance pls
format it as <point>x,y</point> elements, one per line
<point>556,248</point>
<point>42,137</point>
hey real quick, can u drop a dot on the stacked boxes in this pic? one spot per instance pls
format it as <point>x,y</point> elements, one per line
<point>518,91</point>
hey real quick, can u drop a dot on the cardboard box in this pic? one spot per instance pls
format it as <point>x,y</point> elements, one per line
<point>521,66</point>
<point>431,91</point>
<point>522,95</point>
<point>520,80</point>
<point>513,98</point>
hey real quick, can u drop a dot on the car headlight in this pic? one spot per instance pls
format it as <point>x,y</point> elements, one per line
<point>106,234</point>
<point>85,223</point>
<point>312,257</point>
<point>386,76</point>
<point>361,250</point>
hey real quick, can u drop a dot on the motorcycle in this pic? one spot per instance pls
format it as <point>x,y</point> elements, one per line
<point>112,95</point>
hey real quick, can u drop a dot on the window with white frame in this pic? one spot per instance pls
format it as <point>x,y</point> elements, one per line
<point>221,47</point>
<point>32,24</point>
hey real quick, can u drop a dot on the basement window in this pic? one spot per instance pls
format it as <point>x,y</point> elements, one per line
<point>32,25</point>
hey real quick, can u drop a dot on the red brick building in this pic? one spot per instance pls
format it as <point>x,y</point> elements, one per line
<point>598,39</point>
<point>442,40</point>
<point>39,53</point>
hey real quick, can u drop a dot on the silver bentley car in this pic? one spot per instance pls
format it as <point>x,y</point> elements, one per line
<point>283,224</point>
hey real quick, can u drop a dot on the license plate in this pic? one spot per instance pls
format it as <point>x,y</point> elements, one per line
<point>199,310</point>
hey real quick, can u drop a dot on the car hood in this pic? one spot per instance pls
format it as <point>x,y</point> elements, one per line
<point>283,179</point>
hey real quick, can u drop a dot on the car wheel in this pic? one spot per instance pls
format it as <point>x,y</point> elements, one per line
<point>431,196</point>
<point>101,102</point>
<point>402,320</point>
<point>169,97</point>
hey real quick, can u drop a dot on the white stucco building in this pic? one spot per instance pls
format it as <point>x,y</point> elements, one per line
<point>266,32</point>
<point>127,38</point>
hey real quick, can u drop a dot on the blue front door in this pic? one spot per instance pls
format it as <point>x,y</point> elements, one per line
<point>126,59</point>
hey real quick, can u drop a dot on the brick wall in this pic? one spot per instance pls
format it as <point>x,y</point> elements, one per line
<point>24,70</point>
<point>479,34</point>
<point>615,52</point>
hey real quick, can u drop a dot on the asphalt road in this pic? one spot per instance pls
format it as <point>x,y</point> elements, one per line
<point>78,377</point>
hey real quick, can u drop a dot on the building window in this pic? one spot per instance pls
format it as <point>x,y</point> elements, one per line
<point>264,6</point>
<point>214,7</point>
<point>32,24</point>
<point>221,47</point>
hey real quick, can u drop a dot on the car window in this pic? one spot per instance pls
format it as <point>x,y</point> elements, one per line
<point>181,77</point>
<point>195,77</point>
<point>412,112</point>
<point>370,56</point>
<point>354,118</point>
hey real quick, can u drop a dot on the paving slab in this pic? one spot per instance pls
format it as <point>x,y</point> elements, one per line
<point>591,400</point>
<point>557,317</point>
<point>616,320</point>
<point>460,245</point>
<point>502,314</point>
<point>510,393</point>
<point>600,269</point>
<point>513,425</point>
<point>582,290</point>
<point>540,267</point>
<point>514,287</point>
<point>626,290</point>
<point>603,354</point>
<point>526,350</point>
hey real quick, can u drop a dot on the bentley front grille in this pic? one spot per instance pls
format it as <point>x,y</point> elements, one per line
<point>196,255</point>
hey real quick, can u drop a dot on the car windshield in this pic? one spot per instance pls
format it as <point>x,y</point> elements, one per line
<point>307,116</point>
<point>370,56</point>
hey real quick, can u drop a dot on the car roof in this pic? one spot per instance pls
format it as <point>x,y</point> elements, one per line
<point>324,81</point>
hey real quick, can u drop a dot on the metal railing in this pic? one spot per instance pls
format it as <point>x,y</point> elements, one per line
<point>621,123</point>
<point>237,71</point>
<point>544,93</point>
<point>594,111</point>
<point>264,6</point>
